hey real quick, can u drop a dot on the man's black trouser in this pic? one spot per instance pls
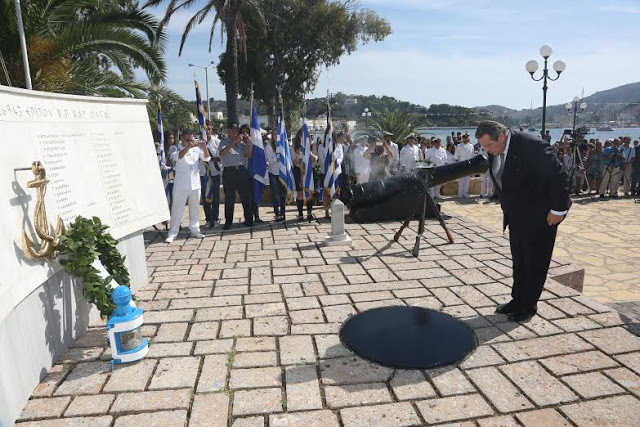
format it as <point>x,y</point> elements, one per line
<point>236,178</point>
<point>531,254</point>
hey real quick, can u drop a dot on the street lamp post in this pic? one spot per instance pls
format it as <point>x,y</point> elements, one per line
<point>575,108</point>
<point>366,114</point>
<point>206,77</point>
<point>532,67</point>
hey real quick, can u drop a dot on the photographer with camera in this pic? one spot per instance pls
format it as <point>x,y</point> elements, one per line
<point>186,186</point>
<point>613,159</point>
<point>381,157</point>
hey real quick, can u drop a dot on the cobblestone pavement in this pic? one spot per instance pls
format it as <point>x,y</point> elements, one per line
<point>244,333</point>
<point>603,236</point>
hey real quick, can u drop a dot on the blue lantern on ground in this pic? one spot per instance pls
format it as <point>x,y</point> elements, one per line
<point>124,329</point>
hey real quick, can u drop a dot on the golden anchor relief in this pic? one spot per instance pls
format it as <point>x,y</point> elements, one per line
<point>48,248</point>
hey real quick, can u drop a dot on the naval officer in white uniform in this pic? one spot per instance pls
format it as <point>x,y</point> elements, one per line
<point>186,186</point>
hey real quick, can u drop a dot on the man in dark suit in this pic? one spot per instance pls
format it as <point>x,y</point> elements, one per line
<point>533,187</point>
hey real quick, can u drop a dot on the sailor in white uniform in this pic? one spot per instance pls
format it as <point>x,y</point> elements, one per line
<point>186,186</point>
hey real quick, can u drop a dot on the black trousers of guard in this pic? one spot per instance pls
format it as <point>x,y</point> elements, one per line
<point>236,179</point>
<point>531,254</point>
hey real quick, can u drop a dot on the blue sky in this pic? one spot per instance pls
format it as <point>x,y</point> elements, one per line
<point>464,52</point>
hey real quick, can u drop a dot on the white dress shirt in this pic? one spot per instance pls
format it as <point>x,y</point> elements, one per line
<point>437,156</point>
<point>273,164</point>
<point>396,153</point>
<point>409,156</point>
<point>464,151</point>
<point>361,164</point>
<point>187,169</point>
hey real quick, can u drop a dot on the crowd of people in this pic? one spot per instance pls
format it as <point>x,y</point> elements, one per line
<point>198,167</point>
<point>607,166</point>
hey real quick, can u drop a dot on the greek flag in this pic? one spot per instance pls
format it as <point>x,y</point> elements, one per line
<point>331,168</point>
<point>203,133</point>
<point>162,158</point>
<point>284,157</point>
<point>258,163</point>
<point>208,180</point>
<point>307,160</point>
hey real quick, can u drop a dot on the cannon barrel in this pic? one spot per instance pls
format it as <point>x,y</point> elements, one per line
<point>377,192</point>
<point>453,171</point>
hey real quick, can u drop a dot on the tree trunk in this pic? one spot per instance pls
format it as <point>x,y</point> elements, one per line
<point>231,83</point>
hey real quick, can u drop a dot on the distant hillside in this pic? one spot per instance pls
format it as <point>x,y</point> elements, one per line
<point>621,103</point>
<point>621,94</point>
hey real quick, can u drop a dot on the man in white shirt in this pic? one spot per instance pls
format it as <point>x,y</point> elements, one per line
<point>409,154</point>
<point>186,186</point>
<point>464,151</point>
<point>211,192</point>
<point>394,166</point>
<point>361,165</point>
<point>437,155</point>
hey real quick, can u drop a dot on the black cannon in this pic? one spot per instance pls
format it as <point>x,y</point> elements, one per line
<point>405,196</point>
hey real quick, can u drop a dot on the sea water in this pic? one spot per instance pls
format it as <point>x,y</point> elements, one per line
<point>556,133</point>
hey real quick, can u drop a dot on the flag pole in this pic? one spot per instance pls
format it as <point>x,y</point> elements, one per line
<point>23,45</point>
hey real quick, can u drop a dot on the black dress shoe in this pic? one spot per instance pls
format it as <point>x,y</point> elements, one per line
<point>227,226</point>
<point>521,316</point>
<point>258,221</point>
<point>247,224</point>
<point>505,308</point>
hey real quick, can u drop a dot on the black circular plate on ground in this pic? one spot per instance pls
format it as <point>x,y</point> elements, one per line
<point>408,337</point>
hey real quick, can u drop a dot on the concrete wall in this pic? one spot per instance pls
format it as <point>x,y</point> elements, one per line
<point>40,329</point>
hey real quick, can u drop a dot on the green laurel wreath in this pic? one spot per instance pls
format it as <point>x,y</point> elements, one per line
<point>86,240</point>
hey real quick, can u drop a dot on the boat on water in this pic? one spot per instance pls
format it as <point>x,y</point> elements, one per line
<point>532,129</point>
<point>606,128</point>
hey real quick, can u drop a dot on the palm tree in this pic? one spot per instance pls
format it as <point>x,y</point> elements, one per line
<point>229,14</point>
<point>89,47</point>
<point>399,123</point>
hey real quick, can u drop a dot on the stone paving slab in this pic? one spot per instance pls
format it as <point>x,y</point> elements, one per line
<point>244,332</point>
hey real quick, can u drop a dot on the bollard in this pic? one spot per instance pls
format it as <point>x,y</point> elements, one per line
<point>338,234</point>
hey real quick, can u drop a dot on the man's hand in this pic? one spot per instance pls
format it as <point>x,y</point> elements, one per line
<point>249,140</point>
<point>553,219</point>
<point>203,146</point>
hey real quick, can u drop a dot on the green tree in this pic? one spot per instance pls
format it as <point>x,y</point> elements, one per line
<point>230,14</point>
<point>89,47</point>
<point>399,123</point>
<point>291,40</point>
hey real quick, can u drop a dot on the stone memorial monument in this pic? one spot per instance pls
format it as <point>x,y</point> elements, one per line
<point>100,160</point>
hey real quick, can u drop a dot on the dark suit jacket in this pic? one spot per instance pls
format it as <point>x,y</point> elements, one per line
<point>534,182</point>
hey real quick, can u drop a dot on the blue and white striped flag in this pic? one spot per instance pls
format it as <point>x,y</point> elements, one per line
<point>162,158</point>
<point>307,160</point>
<point>200,107</point>
<point>331,168</point>
<point>208,179</point>
<point>258,163</point>
<point>284,157</point>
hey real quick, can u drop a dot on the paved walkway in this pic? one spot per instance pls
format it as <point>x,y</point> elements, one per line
<point>244,333</point>
<point>602,235</point>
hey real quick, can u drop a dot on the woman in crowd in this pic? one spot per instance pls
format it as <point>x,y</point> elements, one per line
<point>299,172</point>
<point>278,193</point>
<point>595,167</point>
<point>380,157</point>
<point>451,152</point>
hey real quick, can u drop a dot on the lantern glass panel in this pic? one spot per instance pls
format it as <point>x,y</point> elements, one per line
<point>131,339</point>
